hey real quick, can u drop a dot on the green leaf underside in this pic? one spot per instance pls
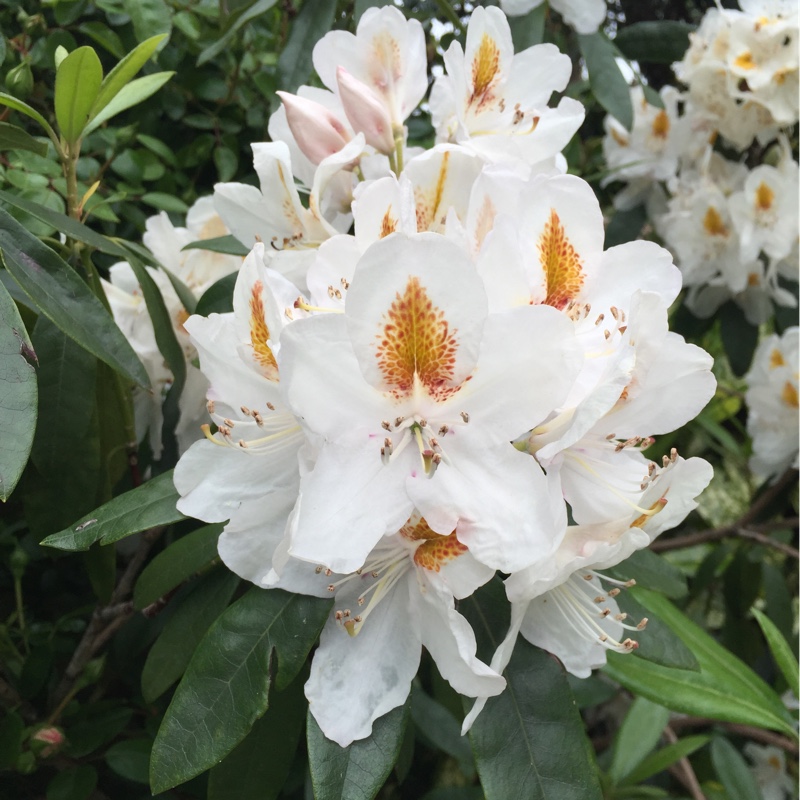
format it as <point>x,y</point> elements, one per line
<point>529,741</point>
<point>664,758</point>
<point>608,84</point>
<point>228,245</point>
<point>18,395</point>
<point>781,651</point>
<point>226,686</point>
<point>218,298</point>
<point>639,734</point>
<point>133,93</point>
<point>733,771</point>
<point>179,561</point>
<point>14,138</point>
<point>147,506</point>
<point>358,771</point>
<point>65,299</point>
<point>662,41</point>
<point>78,81</point>
<point>170,654</point>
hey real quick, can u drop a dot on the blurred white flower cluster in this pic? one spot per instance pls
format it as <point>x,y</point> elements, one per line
<point>731,223</point>
<point>465,383</point>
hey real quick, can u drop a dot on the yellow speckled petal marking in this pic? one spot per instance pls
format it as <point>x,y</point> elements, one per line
<point>561,264</point>
<point>485,66</point>
<point>259,334</point>
<point>436,549</point>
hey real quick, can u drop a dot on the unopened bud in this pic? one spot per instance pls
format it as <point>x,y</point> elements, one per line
<point>19,81</point>
<point>365,111</point>
<point>315,129</point>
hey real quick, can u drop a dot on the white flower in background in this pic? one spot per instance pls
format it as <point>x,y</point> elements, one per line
<point>586,16</point>
<point>495,103</point>
<point>198,270</point>
<point>769,770</point>
<point>772,420</point>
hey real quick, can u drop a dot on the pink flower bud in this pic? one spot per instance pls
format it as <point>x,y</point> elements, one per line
<point>365,111</point>
<point>315,129</point>
<point>49,736</point>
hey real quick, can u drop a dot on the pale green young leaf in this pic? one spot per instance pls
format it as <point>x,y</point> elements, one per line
<point>781,652</point>
<point>639,734</point>
<point>664,758</point>
<point>129,95</point>
<point>78,82</point>
<point>17,105</point>
<point>608,83</point>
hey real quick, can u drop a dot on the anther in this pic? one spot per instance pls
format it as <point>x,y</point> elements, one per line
<point>360,601</point>
<point>614,312</point>
<point>270,406</point>
<point>643,624</point>
<point>621,617</point>
<point>345,283</point>
<point>319,569</point>
<point>210,406</point>
<point>386,425</point>
<point>600,599</point>
<point>599,319</point>
<point>630,644</point>
<point>611,436</point>
<point>227,431</point>
<point>623,328</point>
<point>587,577</point>
<point>245,411</point>
<point>436,459</point>
<point>614,592</point>
<point>243,444</point>
<point>331,587</point>
<point>673,455</point>
<point>328,572</point>
<point>465,416</point>
<point>399,421</point>
<point>605,612</point>
<point>443,430</point>
<point>229,422</point>
<point>338,616</point>
<point>607,334</point>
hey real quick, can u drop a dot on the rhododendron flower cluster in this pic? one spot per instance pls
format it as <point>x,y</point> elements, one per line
<point>433,371</point>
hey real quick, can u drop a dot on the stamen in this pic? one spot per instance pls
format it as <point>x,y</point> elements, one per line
<point>301,304</point>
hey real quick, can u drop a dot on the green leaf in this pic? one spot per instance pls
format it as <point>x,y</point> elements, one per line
<point>104,36</point>
<point>781,652</point>
<point>18,395</point>
<point>608,84</point>
<point>14,138</point>
<point>130,759</point>
<point>74,783</point>
<point>179,561</point>
<point>739,337</point>
<point>358,771</point>
<point>665,758</point>
<point>130,95</point>
<point>660,42</point>
<point>733,772</point>
<point>228,245</point>
<point>78,82</point>
<point>149,17</point>
<point>93,725</point>
<point>147,506</point>
<point>258,767</point>
<point>188,300</point>
<point>441,730</point>
<point>528,29</point>
<point>24,108</point>
<point>625,226</point>
<point>164,202</point>
<point>170,655</point>
<point>529,741</point>
<point>124,71</point>
<point>653,572</point>
<point>235,23</point>
<point>11,730</point>
<point>64,298</point>
<point>362,5</point>
<point>310,25</point>
<point>226,686</point>
<point>642,728</point>
<point>218,298</point>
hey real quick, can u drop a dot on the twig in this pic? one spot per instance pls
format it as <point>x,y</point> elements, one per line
<point>684,767</point>
<point>747,731</point>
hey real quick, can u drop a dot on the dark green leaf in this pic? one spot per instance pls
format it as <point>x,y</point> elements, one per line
<point>608,83</point>
<point>651,571</point>
<point>310,25</point>
<point>179,561</point>
<point>104,36</point>
<point>733,772</point>
<point>642,728</point>
<point>24,108</point>
<point>218,298</point>
<point>65,299</point>
<point>235,24</point>
<point>172,651</point>
<point>14,138</point>
<point>661,42</point>
<point>11,729</point>
<point>258,767</point>
<point>362,5</point>
<point>358,771</point>
<point>664,758</point>
<point>229,245</point>
<point>528,29</point>
<point>130,95</point>
<point>18,395</point>
<point>130,759</point>
<point>441,730</point>
<point>529,741</point>
<point>781,652</point>
<point>147,506</point>
<point>625,226</point>
<point>225,688</point>
<point>188,300</point>
<point>96,724</point>
<point>739,337</point>
<point>149,17</point>
<point>74,783</point>
<point>78,81</point>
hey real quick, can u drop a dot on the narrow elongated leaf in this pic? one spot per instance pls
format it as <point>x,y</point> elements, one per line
<point>528,29</point>
<point>310,25</point>
<point>147,506</point>
<point>438,727</point>
<point>228,245</point>
<point>133,93</point>
<point>78,81</point>
<point>226,686</point>
<point>14,138</point>
<point>17,105</point>
<point>664,758</point>
<point>653,572</point>
<point>639,734</point>
<point>170,655</point>
<point>104,36</point>
<point>258,767</point>
<point>175,564</point>
<point>18,395</point>
<point>358,771</point>
<point>781,652</point>
<point>64,298</point>
<point>529,741</point>
<point>608,83</point>
<point>124,71</point>
<point>733,772</point>
<point>188,300</point>
<point>244,16</point>
<point>739,337</point>
<point>218,298</point>
<point>661,42</point>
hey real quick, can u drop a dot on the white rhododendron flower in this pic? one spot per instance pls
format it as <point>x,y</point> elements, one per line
<point>772,421</point>
<point>769,770</point>
<point>586,16</point>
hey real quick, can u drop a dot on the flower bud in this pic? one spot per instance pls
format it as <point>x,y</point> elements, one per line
<point>365,111</point>
<point>315,129</point>
<point>19,81</point>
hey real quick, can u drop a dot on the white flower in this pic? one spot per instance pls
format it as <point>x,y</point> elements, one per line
<point>772,420</point>
<point>769,770</point>
<point>586,16</point>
